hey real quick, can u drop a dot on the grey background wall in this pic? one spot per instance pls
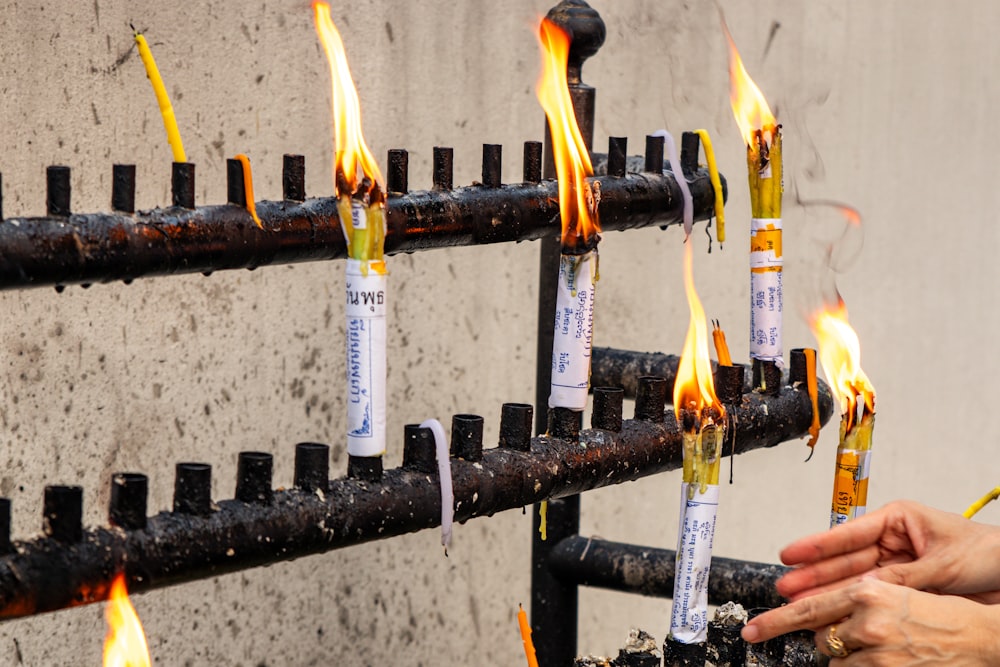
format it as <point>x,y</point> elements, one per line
<point>887,106</point>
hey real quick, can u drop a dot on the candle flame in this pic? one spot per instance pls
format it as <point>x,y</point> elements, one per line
<point>752,113</point>
<point>125,644</point>
<point>352,155</point>
<point>576,201</point>
<point>694,388</point>
<point>840,356</point>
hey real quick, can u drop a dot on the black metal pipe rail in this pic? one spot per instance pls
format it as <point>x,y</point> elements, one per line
<point>630,568</point>
<point>64,248</point>
<point>613,367</point>
<point>70,566</point>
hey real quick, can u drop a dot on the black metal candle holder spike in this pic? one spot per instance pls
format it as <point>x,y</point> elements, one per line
<point>129,491</point>
<point>125,244</point>
<point>312,466</point>
<point>200,538</point>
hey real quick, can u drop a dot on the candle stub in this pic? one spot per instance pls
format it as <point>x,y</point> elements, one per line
<point>366,360</point>
<point>850,485</point>
<point>574,328</point>
<point>765,289</point>
<point>689,616</point>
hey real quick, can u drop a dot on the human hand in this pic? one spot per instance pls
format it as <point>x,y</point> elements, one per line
<point>884,625</point>
<point>903,543</point>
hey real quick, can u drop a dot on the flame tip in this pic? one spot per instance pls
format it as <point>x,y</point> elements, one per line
<point>577,199</point>
<point>125,644</point>
<point>840,357</point>
<point>753,115</point>
<point>694,386</point>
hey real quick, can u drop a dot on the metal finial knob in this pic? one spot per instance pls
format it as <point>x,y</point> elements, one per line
<point>586,31</point>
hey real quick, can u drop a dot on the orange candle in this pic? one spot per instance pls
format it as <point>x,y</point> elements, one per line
<point>529,647</point>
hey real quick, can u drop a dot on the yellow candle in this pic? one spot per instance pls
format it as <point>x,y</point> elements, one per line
<point>713,175</point>
<point>166,110</point>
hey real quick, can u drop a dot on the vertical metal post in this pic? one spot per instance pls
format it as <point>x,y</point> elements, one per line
<point>554,603</point>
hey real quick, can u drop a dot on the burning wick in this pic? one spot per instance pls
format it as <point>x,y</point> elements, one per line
<point>361,208</point>
<point>762,136</point>
<point>578,263</point>
<point>444,473</point>
<point>702,420</point>
<point>125,644</point>
<point>840,356</point>
<point>166,109</point>
<point>357,179</point>
<point>529,646</point>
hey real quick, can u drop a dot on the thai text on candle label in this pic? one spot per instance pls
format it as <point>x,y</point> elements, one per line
<point>766,300</point>
<point>574,326</point>
<point>850,485</point>
<point>689,614</point>
<point>366,361</point>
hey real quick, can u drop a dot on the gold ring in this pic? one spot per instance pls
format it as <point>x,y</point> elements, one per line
<point>835,645</point>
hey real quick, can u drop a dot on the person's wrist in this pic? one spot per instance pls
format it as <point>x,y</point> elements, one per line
<point>986,587</point>
<point>987,634</point>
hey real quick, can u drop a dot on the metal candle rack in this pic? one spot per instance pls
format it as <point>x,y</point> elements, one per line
<point>199,538</point>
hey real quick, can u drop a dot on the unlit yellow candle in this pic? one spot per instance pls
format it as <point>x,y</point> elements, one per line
<point>166,110</point>
<point>713,175</point>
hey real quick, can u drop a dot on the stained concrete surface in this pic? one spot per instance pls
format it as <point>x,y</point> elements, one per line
<point>887,106</point>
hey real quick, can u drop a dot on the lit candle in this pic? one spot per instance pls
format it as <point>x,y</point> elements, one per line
<point>166,109</point>
<point>578,263</point>
<point>762,135</point>
<point>840,356</point>
<point>702,422</point>
<point>361,207</point>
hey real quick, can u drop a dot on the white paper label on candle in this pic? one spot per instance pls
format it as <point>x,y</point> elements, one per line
<point>850,485</point>
<point>766,300</point>
<point>359,215</point>
<point>574,330</point>
<point>689,617</point>
<point>366,363</point>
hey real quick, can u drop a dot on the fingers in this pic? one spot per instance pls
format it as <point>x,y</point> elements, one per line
<point>808,613</point>
<point>855,535</point>
<point>834,572</point>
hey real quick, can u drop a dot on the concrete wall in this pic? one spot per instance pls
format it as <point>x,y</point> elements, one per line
<point>886,106</point>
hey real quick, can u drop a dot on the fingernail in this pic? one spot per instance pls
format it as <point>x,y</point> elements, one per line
<point>750,633</point>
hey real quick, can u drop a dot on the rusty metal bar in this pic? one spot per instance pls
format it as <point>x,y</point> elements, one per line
<point>588,561</point>
<point>64,568</point>
<point>612,367</point>
<point>65,248</point>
